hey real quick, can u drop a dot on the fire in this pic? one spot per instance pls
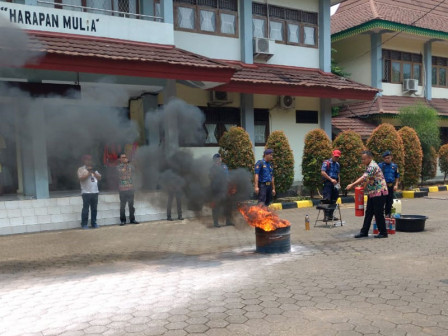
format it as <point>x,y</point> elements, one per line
<point>261,217</point>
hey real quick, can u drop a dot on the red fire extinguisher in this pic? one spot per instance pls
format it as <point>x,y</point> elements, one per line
<point>359,201</point>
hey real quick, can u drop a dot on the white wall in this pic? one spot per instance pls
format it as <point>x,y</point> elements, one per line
<point>105,25</point>
<point>295,56</point>
<point>391,89</point>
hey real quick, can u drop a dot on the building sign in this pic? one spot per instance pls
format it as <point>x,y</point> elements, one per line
<point>89,24</point>
<point>39,19</point>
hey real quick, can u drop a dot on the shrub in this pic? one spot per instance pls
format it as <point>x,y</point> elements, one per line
<point>283,160</point>
<point>236,149</point>
<point>425,121</point>
<point>429,165</point>
<point>443,161</point>
<point>384,138</point>
<point>413,156</point>
<point>317,149</point>
<point>350,144</point>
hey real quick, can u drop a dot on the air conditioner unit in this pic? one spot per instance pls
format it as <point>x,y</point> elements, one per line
<point>263,48</point>
<point>410,85</point>
<point>219,97</point>
<point>286,102</point>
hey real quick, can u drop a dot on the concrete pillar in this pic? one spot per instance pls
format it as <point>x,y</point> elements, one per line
<point>167,11</point>
<point>34,153</point>
<point>325,115</point>
<point>427,59</point>
<point>324,36</point>
<point>376,60</point>
<point>171,139</point>
<point>247,115</point>
<point>247,52</point>
<point>152,129</point>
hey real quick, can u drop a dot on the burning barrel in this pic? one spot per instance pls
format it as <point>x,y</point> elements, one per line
<point>277,241</point>
<point>272,234</point>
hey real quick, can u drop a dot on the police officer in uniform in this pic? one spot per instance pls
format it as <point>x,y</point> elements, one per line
<point>330,173</point>
<point>264,178</point>
<point>392,176</point>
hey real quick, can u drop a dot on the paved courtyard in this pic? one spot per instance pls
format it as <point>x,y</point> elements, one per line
<point>183,278</point>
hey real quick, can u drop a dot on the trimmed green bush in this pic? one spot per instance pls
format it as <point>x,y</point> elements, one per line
<point>443,161</point>
<point>236,149</point>
<point>317,149</point>
<point>283,160</point>
<point>413,156</point>
<point>429,166</point>
<point>384,138</point>
<point>351,146</point>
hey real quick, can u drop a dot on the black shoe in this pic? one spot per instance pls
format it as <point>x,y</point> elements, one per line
<point>230,224</point>
<point>134,222</point>
<point>216,225</point>
<point>123,223</point>
<point>380,235</point>
<point>95,226</point>
<point>361,235</point>
<point>169,219</point>
<point>180,218</point>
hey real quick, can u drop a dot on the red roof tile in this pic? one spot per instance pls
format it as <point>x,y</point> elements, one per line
<point>391,105</point>
<point>285,80</point>
<point>428,14</point>
<point>363,128</point>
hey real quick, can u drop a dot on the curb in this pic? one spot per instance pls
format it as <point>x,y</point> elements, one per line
<point>416,193</point>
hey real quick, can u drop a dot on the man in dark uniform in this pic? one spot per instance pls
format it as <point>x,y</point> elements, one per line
<point>330,173</point>
<point>392,177</point>
<point>219,176</point>
<point>264,178</point>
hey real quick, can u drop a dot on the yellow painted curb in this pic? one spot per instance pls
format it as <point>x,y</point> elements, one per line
<point>275,206</point>
<point>304,204</point>
<point>433,189</point>
<point>408,194</point>
<point>339,201</point>
<point>366,198</point>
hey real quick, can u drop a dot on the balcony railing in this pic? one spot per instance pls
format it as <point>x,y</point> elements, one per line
<point>122,8</point>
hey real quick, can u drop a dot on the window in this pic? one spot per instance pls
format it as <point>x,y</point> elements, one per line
<point>285,25</point>
<point>261,121</point>
<point>219,120</point>
<point>207,16</point>
<point>307,117</point>
<point>439,71</point>
<point>398,66</point>
<point>107,7</point>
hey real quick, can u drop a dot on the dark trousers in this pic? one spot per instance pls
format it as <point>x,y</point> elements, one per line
<point>89,200</point>
<point>265,193</point>
<point>171,195</point>
<point>219,209</point>
<point>127,196</point>
<point>375,207</point>
<point>389,201</point>
<point>331,195</point>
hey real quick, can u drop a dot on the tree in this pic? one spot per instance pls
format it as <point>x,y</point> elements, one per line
<point>443,160</point>
<point>351,146</point>
<point>425,121</point>
<point>317,149</point>
<point>283,160</point>
<point>413,156</point>
<point>384,138</point>
<point>236,149</point>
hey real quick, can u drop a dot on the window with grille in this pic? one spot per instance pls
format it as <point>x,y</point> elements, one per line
<point>398,66</point>
<point>207,16</point>
<point>439,71</point>
<point>261,121</point>
<point>218,120</point>
<point>285,25</point>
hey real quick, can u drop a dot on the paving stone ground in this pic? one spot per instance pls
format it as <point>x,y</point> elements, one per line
<point>183,278</point>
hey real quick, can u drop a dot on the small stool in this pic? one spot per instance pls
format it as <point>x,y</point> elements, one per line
<point>325,207</point>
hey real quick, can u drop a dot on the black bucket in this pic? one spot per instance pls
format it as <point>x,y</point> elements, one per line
<point>410,223</point>
<point>277,241</point>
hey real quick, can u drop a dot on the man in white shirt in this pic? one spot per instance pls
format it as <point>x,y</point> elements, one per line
<point>88,179</point>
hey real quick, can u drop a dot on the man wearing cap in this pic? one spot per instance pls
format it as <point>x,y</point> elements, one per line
<point>330,173</point>
<point>88,179</point>
<point>264,178</point>
<point>392,177</point>
<point>219,175</point>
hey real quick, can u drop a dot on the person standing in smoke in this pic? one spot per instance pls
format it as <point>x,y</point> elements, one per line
<point>173,192</point>
<point>219,176</point>
<point>264,178</point>
<point>88,179</point>
<point>126,189</point>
